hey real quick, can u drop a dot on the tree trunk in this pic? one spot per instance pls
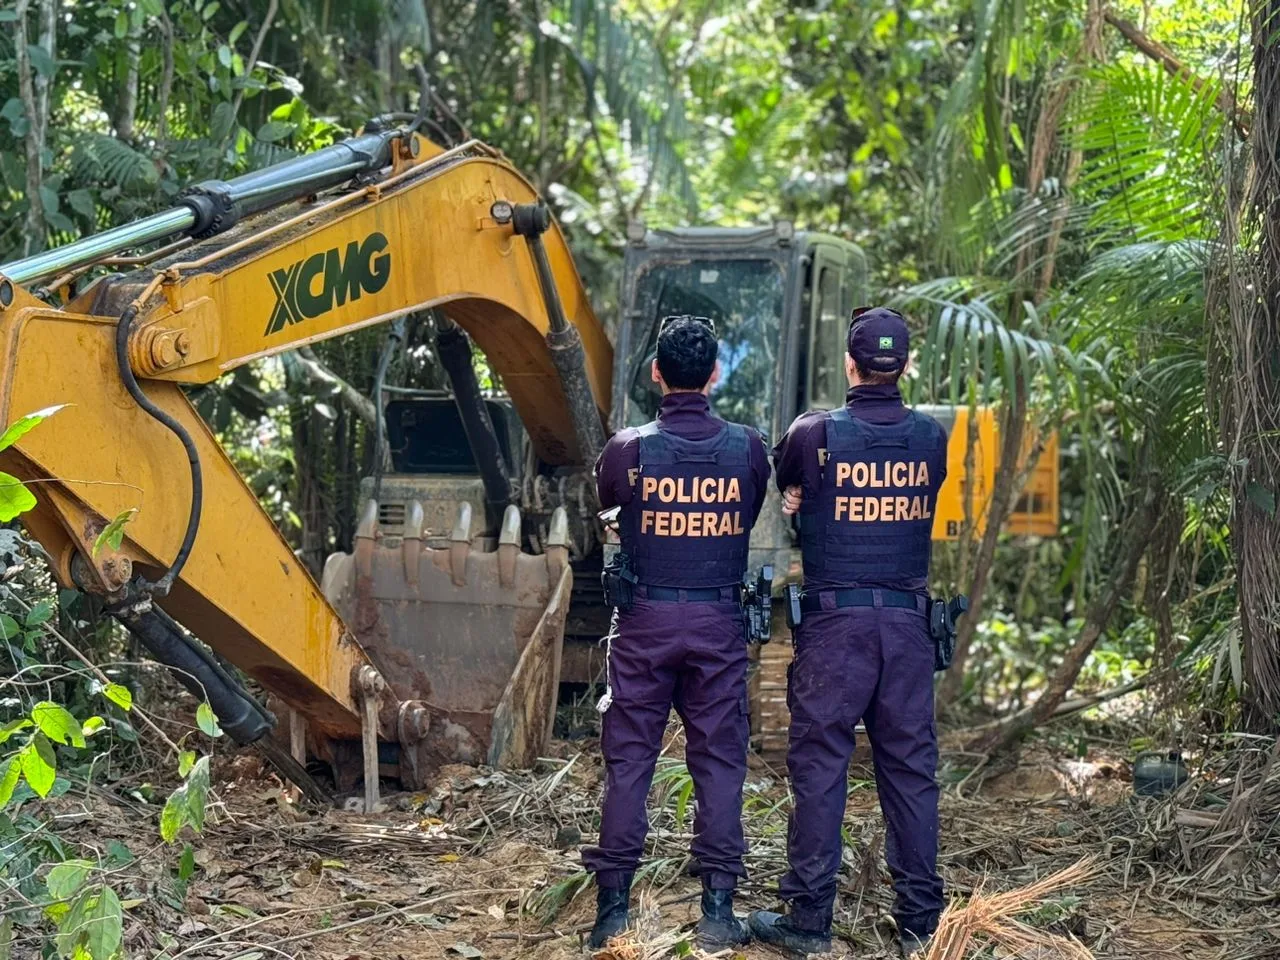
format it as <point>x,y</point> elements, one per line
<point>126,111</point>
<point>34,93</point>
<point>1003,496</point>
<point>1252,430</point>
<point>1137,537</point>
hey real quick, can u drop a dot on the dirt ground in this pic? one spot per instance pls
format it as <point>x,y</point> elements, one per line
<point>486,865</point>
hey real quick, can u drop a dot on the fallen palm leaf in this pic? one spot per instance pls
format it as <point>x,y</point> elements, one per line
<point>992,919</point>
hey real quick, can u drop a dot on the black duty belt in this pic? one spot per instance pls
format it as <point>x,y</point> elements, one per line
<point>698,595</point>
<point>811,602</point>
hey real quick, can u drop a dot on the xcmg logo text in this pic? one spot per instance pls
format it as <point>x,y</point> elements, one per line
<point>316,284</point>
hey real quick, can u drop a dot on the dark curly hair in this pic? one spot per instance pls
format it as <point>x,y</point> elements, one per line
<point>687,350</point>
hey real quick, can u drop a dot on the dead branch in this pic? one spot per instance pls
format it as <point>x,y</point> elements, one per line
<point>355,401</point>
<point>272,8</point>
<point>1241,116</point>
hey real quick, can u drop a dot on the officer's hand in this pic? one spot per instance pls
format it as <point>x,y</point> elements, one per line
<point>791,499</point>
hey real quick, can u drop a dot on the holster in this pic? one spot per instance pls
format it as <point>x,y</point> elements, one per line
<point>794,614</point>
<point>943,615</point>
<point>619,583</point>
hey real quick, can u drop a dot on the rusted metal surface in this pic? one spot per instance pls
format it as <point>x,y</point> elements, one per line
<point>467,638</point>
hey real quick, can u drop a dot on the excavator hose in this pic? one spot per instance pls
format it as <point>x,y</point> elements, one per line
<point>241,716</point>
<point>161,587</point>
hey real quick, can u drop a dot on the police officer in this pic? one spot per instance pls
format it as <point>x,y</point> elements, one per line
<point>865,479</point>
<point>690,487</point>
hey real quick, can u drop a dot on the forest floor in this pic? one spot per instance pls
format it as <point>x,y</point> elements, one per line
<point>486,864</point>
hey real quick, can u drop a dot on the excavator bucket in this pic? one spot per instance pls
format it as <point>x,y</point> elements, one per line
<point>467,633</point>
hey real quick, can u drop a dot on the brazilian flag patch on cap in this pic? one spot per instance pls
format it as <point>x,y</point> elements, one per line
<point>886,343</point>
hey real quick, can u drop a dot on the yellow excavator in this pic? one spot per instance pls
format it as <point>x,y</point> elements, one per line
<point>442,636</point>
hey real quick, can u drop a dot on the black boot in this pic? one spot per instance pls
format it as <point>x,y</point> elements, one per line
<point>612,904</point>
<point>780,930</point>
<point>719,928</point>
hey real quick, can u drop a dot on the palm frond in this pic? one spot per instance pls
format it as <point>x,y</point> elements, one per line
<point>100,158</point>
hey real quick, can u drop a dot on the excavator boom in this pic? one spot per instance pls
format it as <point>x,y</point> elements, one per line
<point>457,230</point>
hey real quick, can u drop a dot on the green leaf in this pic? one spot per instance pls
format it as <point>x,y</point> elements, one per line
<point>118,853</point>
<point>224,55</point>
<point>81,201</point>
<point>66,878</point>
<point>24,425</point>
<point>12,727</point>
<point>15,499</point>
<point>153,8</point>
<point>198,792</point>
<point>40,613</point>
<point>119,695</point>
<point>40,59</point>
<point>207,720</point>
<point>112,534</point>
<point>8,16</point>
<point>10,770</point>
<point>38,765</point>
<point>93,725</point>
<point>237,32</point>
<point>274,130</point>
<point>209,11</point>
<point>186,760</point>
<point>174,815</point>
<point>104,925</point>
<point>57,723</point>
<point>9,628</point>
<point>186,864</point>
<point>121,28</point>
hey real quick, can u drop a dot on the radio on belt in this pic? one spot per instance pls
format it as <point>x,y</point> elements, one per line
<point>757,600</point>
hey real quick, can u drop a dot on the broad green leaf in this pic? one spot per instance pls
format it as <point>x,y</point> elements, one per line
<point>186,864</point>
<point>198,792</point>
<point>24,425</point>
<point>119,695</point>
<point>8,16</point>
<point>224,55</point>
<point>12,727</point>
<point>72,923</point>
<point>186,760</point>
<point>174,815</point>
<point>57,723</point>
<point>81,201</point>
<point>207,720</point>
<point>40,59</point>
<point>118,853</point>
<point>104,925</point>
<point>112,534</point>
<point>237,31</point>
<point>10,770</point>
<point>40,613</point>
<point>273,131</point>
<point>93,725</point>
<point>153,8</point>
<point>66,878</point>
<point>15,498</point>
<point>9,627</point>
<point>208,12</point>
<point>38,765</point>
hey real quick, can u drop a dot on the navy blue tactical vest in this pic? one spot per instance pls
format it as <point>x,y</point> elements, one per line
<point>871,523</point>
<point>689,522</point>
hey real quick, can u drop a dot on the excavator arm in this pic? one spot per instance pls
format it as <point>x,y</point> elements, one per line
<point>458,230</point>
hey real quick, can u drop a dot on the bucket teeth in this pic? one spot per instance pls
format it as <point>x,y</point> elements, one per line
<point>366,539</point>
<point>460,545</point>
<point>557,546</point>
<point>411,545</point>
<point>509,546</point>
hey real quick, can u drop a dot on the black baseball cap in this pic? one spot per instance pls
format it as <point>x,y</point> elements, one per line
<point>878,339</point>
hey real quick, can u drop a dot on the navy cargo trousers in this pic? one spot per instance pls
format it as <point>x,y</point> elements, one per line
<point>873,664</point>
<point>692,656</point>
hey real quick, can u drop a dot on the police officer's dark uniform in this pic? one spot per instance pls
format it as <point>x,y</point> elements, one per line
<point>870,473</point>
<point>690,487</point>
